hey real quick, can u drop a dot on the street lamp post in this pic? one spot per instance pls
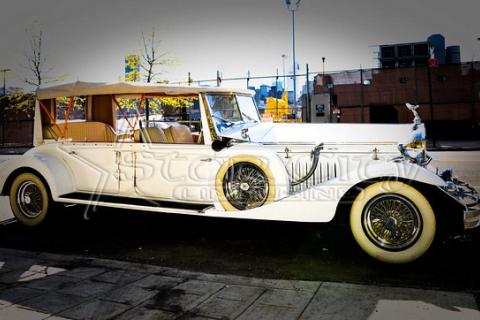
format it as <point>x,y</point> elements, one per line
<point>4,71</point>
<point>2,102</point>
<point>292,7</point>
<point>323,68</point>
<point>284,56</point>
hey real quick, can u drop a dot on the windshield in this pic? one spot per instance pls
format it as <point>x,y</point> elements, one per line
<point>230,110</point>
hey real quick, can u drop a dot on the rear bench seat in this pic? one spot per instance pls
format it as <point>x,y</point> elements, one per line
<point>89,131</point>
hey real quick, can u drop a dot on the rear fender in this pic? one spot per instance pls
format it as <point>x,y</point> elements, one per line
<point>50,168</point>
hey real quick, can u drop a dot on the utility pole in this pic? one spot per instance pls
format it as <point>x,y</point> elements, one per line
<point>308,114</point>
<point>430,98</point>
<point>293,8</point>
<point>4,71</point>
<point>323,67</point>
<point>284,56</point>
<point>219,79</point>
<point>276,95</point>
<point>362,107</point>
<point>2,102</point>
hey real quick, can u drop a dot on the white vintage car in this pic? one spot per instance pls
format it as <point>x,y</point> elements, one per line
<point>212,156</point>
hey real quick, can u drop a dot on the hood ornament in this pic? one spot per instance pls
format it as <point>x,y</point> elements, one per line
<point>416,117</point>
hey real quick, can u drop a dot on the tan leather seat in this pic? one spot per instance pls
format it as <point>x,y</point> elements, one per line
<point>153,135</point>
<point>179,134</point>
<point>82,131</point>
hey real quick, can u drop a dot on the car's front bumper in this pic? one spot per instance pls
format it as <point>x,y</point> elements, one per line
<point>471,217</point>
<point>468,198</point>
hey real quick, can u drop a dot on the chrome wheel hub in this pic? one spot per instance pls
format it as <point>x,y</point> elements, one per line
<point>245,186</point>
<point>392,222</point>
<point>29,199</point>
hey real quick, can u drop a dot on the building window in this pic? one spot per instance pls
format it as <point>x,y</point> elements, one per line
<point>404,51</point>
<point>442,78</point>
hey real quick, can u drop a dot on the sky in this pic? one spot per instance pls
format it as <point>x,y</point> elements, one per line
<point>87,40</point>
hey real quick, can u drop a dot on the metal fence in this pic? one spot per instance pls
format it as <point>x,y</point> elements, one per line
<point>270,91</point>
<point>449,96</point>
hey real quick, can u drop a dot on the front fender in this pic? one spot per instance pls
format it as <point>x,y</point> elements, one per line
<point>387,169</point>
<point>52,169</point>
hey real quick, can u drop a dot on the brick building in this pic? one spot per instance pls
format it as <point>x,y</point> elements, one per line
<point>449,96</point>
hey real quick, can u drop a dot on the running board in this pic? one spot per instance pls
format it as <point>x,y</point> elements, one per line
<point>132,203</point>
<point>5,222</point>
<point>6,214</point>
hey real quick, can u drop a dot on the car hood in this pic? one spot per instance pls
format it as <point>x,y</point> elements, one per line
<point>315,133</point>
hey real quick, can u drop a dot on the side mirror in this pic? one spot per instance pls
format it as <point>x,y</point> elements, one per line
<point>218,145</point>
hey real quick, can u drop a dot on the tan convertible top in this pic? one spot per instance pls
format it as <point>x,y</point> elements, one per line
<point>79,88</point>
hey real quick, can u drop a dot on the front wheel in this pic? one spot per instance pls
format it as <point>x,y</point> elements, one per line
<point>29,199</point>
<point>392,222</point>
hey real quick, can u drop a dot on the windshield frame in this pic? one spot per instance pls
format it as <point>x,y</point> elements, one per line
<point>241,123</point>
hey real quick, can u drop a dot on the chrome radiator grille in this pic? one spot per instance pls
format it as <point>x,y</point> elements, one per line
<point>299,167</point>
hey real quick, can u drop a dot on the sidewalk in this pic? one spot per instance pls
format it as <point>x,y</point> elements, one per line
<point>454,145</point>
<point>52,286</point>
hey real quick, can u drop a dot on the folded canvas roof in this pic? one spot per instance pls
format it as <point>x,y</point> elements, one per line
<point>79,88</point>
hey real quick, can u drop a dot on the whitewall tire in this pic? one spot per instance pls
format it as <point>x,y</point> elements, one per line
<point>392,222</point>
<point>29,199</point>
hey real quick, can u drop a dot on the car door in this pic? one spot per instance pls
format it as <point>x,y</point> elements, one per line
<point>176,172</point>
<point>94,166</point>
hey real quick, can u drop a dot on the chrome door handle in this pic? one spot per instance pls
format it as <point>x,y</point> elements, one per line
<point>206,159</point>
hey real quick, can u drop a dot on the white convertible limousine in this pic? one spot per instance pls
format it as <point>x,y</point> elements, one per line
<point>204,151</point>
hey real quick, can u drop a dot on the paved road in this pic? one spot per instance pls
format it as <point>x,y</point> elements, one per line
<point>466,164</point>
<point>252,248</point>
<point>50,286</point>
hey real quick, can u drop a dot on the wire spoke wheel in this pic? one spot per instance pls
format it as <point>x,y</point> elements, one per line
<point>245,186</point>
<point>29,199</point>
<point>392,222</point>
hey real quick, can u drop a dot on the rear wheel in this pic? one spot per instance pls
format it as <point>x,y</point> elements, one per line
<point>392,222</point>
<point>29,199</point>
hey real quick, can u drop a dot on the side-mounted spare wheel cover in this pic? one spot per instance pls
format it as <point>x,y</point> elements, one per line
<point>244,182</point>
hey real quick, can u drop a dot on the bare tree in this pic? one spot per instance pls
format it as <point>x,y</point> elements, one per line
<point>152,58</point>
<point>36,62</point>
